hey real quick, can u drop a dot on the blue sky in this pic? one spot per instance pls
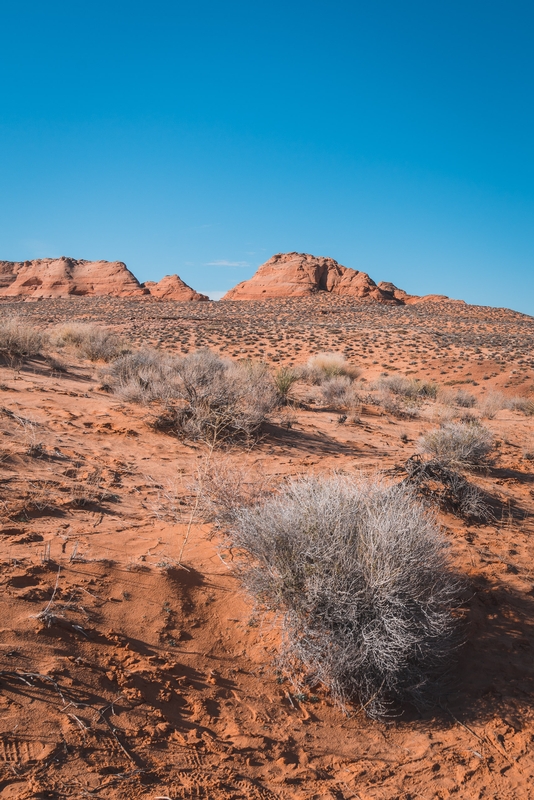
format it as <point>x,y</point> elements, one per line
<point>201,138</point>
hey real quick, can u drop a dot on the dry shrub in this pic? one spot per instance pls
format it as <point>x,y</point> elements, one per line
<point>19,341</point>
<point>324,366</point>
<point>523,404</point>
<point>459,397</point>
<point>409,388</point>
<point>451,490</point>
<point>223,484</point>
<point>204,396</point>
<point>359,574</point>
<point>492,403</point>
<point>458,445</point>
<point>464,399</point>
<point>340,393</point>
<point>333,390</point>
<point>395,405</point>
<point>88,340</point>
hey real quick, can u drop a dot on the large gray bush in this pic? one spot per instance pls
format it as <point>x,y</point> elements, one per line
<point>206,396</point>
<point>359,574</point>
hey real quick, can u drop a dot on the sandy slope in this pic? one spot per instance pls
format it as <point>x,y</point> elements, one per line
<point>124,674</point>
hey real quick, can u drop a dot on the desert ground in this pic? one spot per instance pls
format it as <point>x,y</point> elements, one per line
<point>133,664</point>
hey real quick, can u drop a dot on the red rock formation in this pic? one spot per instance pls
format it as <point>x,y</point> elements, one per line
<point>301,275</point>
<point>61,277</point>
<point>171,287</point>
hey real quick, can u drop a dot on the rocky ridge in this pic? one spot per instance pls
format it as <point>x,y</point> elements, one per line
<point>63,277</point>
<point>302,275</point>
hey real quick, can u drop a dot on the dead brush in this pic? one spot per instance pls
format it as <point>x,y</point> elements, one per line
<point>36,496</point>
<point>492,403</point>
<point>31,438</point>
<point>90,491</point>
<point>523,404</point>
<point>91,341</point>
<point>19,341</point>
<point>409,388</point>
<point>394,404</point>
<point>448,488</point>
<point>358,574</point>
<point>223,485</point>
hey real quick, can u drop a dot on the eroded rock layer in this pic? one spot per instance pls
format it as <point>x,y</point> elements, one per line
<point>63,277</point>
<point>302,274</point>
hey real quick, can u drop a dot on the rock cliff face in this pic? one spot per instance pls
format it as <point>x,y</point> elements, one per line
<point>302,275</point>
<point>61,277</point>
<point>171,287</point>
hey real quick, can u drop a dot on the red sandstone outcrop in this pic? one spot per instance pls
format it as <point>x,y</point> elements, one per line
<point>61,277</point>
<point>301,275</point>
<point>171,287</point>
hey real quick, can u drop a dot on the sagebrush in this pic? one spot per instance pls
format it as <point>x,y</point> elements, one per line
<point>204,396</point>
<point>359,574</point>
<point>459,445</point>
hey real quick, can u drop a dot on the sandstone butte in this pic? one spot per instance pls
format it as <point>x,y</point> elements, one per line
<point>302,275</point>
<point>62,277</point>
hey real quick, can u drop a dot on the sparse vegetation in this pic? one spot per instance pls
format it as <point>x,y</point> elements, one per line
<point>409,389</point>
<point>523,404</point>
<point>359,574</point>
<point>491,404</point>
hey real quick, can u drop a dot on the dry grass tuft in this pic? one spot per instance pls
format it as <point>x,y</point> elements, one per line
<point>19,341</point>
<point>88,340</point>
<point>324,366</point>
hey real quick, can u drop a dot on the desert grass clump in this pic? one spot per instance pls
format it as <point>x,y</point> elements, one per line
<point>204,396</point>
<point>492,403</point>
<point>90,341</point>
<point>323,366</point>
<point>284,379</point>
<point>358,573</point>
<point>458,445</point>
<point>19,341</point>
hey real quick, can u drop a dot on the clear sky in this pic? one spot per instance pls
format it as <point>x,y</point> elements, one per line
<point>396,136</point>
